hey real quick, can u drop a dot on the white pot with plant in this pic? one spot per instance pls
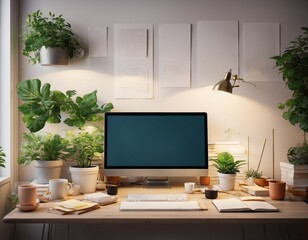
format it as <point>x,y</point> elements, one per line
<point>47,151</point>
<point>86,146</point>
<point>227,168</point>
<point>49,35</point>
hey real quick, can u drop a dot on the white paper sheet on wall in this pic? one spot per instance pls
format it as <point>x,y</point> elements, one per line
<point>174,55</point>
<point>133,60</point>
<point>98,37</point>
<point>217,50</point>
<point>259,42</point>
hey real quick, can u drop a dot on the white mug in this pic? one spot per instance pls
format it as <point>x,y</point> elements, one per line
<point>58,188</point>
<point>189,187</point>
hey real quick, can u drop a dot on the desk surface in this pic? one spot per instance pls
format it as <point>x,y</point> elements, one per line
<point>290,211</point>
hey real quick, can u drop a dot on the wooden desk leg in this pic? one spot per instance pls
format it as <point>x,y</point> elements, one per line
<point>43,231</point>
<point>49,234</point>
<point>67,231</point>
<point>243,232</point>
<point>13,231</point>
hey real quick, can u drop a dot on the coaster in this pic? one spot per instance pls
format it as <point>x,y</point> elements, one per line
<point>27,208</point>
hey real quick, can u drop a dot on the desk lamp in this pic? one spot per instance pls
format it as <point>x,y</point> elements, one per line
<point>225,84</point>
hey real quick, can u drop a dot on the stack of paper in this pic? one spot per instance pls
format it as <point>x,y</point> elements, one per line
<point>100,198</point>
<point>73,206</point>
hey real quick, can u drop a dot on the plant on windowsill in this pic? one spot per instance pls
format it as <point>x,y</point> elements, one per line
<point>47,151</point>
<point>293,65</point>
<point>48,33</point>
<point>227,168</point>
<point>2,158</point>
<point>86,146</point>
<point>41,105</point>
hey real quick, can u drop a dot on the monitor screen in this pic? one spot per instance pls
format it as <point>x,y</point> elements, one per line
<point>155,144</point>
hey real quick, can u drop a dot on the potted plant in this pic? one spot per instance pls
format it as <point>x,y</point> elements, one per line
<point>47,151</point>
<point>48,35</point>
<point>293,65</point>
<point>254,176</point>
<point>227,168</point>
<point>41,105</point>
<point>86,145</point>
<point>2,158</point>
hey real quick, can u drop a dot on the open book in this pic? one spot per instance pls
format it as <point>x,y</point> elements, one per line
<point>236,205</point>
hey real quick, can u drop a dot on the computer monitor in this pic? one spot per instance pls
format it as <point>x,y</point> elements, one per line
<point>156,144</point>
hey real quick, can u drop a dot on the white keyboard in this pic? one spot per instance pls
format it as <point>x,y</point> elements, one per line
<point>173,197</point>
<point>173,206</point>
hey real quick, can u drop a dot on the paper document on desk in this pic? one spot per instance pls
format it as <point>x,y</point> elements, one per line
<point>100,198</point>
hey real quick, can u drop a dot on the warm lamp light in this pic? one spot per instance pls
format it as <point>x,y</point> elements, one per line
<point>226,85</point>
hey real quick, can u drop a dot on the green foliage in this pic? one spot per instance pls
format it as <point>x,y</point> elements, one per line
<point>2,158</point>
<point>293,64</point>
<point>50,31</point>
<point>43,147</point>
<point>298,155</point>
<point>41,105</point>
<point>253,173</point>
<point>86,145</point>
<point>225,163</point>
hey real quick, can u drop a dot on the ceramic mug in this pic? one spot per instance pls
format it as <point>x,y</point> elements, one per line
<point>27,195</point>
<point>59,188</point>
<point>277,190</point>
<point>189,187</point>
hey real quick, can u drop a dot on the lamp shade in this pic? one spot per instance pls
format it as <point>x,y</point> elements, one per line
<point>225,84</point>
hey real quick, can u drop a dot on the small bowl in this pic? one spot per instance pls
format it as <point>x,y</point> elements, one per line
<point>211,194</point>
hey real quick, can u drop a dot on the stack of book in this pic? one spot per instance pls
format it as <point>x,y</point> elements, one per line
<point>295,176</point>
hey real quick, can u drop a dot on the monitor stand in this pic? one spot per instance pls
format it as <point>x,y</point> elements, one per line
<point>157,182</point>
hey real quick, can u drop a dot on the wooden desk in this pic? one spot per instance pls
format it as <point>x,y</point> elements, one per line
<point>291,212</point>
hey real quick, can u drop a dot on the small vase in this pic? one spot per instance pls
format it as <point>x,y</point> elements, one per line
<point>277,190</point>
<point>205,180</point>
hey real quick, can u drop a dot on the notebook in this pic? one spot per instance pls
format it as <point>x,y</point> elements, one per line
<point>236,205</point>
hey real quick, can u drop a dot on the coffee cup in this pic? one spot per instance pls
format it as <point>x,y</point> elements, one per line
<point>59,188</point>
<point>189,187</point>
<point>27,195</point>
<point>112,189</point>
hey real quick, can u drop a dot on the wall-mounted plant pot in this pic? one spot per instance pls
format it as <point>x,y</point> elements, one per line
<point>53,56</point>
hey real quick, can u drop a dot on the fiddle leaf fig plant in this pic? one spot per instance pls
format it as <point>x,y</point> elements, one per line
<point>293,65</point>
<point>2,158</point>
<point>41,105</point>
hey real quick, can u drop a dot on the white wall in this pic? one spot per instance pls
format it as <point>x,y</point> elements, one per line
<point>250,111</point>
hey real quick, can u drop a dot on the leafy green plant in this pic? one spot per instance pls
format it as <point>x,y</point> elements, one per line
<point>2,158</point>
<point>50,31</point>
<point>41,105</point>
<point>299,154</point>
<point>43,147</point>
<point>225,163</point>
<point>253,173</point>
<point>86,145</point>
<point>293,65</point>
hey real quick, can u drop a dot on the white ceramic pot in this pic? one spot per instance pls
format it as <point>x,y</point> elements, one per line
<point>86,178</point>
<point>46,170</point>
<point>226,181</point>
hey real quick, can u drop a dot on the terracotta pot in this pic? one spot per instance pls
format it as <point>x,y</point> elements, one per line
<point>261,182</point>
<point>27,195</point>
<point>277,190</point>
<point>205,180</point>
<point>113,179</point>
